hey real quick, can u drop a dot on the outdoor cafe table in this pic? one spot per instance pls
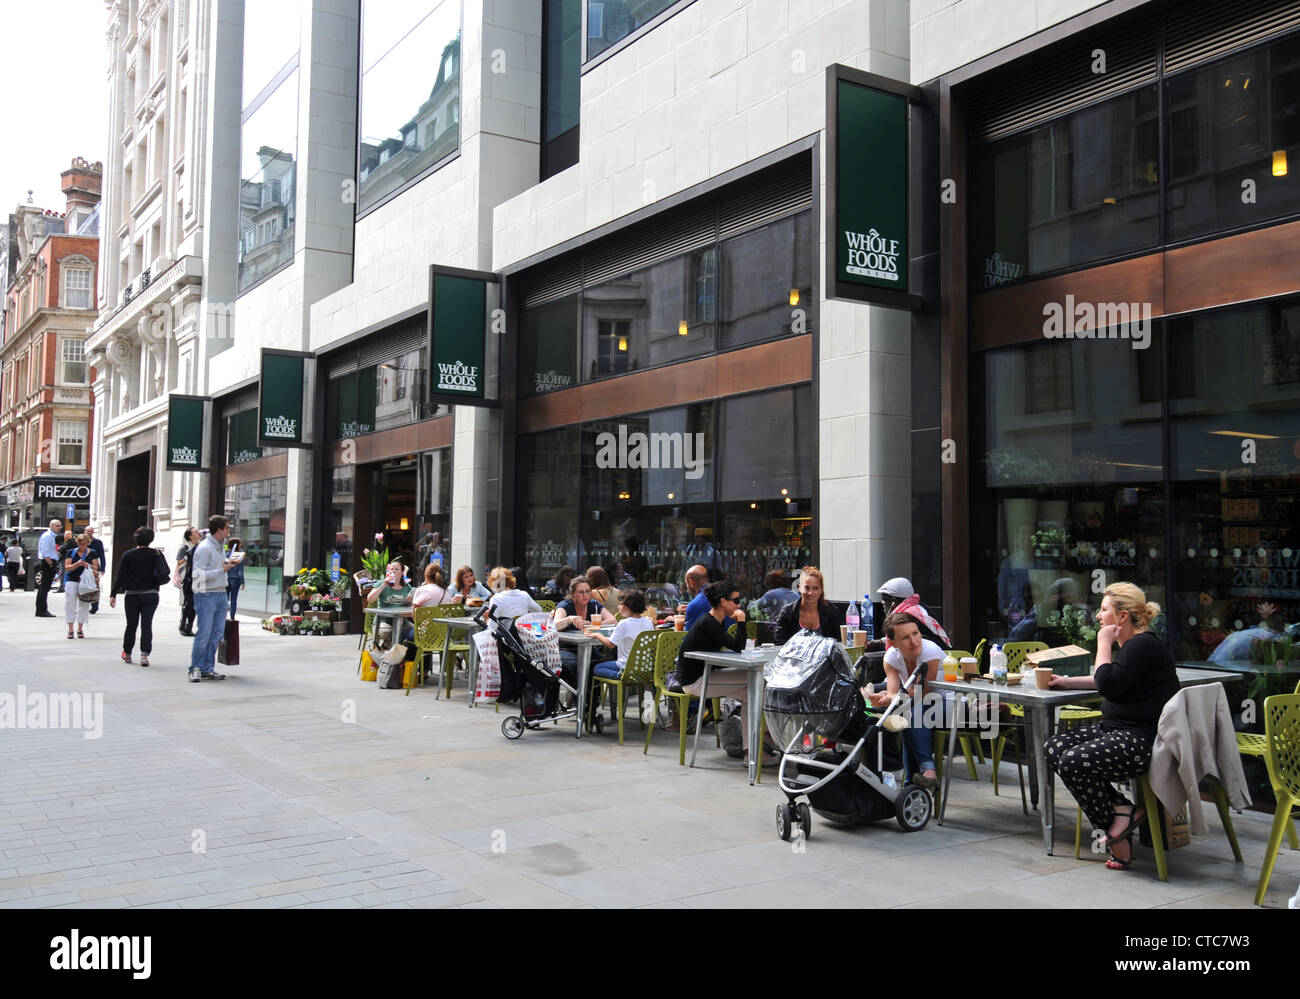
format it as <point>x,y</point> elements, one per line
<point>1040,715</point>
<point>752,661</point>
<point>584,643</point>
<point>469,626</point>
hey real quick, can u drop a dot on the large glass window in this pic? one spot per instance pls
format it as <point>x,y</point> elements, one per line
<point>561,84</point>
<point>410,94</point>
<point>73,358</point>
<point>1230,122</point>
<point>72,443</point>
<point>1077,189</point>
<point>378,397</point>
<point>547,355</point>
<point>1071,496</point>
<point>256,511</point>
<point>645,496</point>
<point>766,276</point>
<point>241,438</point>
<point>268,143</point>
<point>610,21</point>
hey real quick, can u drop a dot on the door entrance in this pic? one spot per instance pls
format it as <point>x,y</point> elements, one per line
<point>131,501</point>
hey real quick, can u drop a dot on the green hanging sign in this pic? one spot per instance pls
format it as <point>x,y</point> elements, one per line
<point>869,253</point>
<point>458,324</point>
<point>185,420</point>
<point>280,399</point>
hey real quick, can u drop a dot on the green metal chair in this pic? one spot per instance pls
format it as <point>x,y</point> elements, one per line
<point>1253,744</point>
<point>1282,730</point>
<point>547,605</point>
<point>670,643</point>
<point>1015,653</point>
<point>452,610</point>
<point>967,739</point>
<point>639,673</point>
<point>430,637</point>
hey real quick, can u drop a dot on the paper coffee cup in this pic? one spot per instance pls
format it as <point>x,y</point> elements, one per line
<point>970,666</point>
<point>844,634</point>
<point>859,639</point>
<point>1043,677</point>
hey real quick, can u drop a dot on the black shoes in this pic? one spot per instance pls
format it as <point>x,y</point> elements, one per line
<point>47,614</point>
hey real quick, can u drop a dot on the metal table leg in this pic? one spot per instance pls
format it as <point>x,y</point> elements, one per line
<point>584,681</point>
<point>947,764</point>
<point>1043,720</point>
<point>754,718</point>
<point>699,717</point>
<point>471,664</point>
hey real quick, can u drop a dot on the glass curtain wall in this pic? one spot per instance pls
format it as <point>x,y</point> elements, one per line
<point>610,21</point>
<point>726,484</point>
<point>561,84</point>
<point>410,94</point>
<point>268,141</point>
<point>257,515</point>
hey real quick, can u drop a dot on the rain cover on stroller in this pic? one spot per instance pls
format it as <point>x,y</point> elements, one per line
<point>810,681</point>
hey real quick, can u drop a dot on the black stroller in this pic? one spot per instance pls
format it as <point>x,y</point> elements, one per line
<point>812,691</point>
<point>529,653</point>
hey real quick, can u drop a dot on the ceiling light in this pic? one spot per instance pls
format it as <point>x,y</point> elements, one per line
<point>682,329</point>
<point>794,296</point>
<point>753,506</point>
<point>672,495</point>
<point>622,343</point>
<point>785,492</point>
<point>1279,162</point>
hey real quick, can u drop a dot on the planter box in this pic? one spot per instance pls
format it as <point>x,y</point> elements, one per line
<point>317,615</point>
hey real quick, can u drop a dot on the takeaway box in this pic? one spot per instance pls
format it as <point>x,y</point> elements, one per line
<point>1067,660</point>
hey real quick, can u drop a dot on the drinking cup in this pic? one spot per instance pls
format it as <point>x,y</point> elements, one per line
<point>1043,677</point>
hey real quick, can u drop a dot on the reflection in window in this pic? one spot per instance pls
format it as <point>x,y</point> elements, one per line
<point>410,93</point>
<point>766,274</point>
<point>267,189</point>
<point>548,349</point>
<point>1233,120</point>
<point>378,397</point>
<point>256,511</point>
<point>1077,189</point>
<point>610,21</point>
<point>562,45</point>
<point>241,436</point>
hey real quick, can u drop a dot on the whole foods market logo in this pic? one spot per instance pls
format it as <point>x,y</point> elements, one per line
<point>458,377</point>
<point>185,456</point>
<point>872,255</point>
<point>998,271</point>
<point>242,456</point>
<point>282,427</point>
<point>354,428</point>
<point>548,381</point>
<point>552,555</point>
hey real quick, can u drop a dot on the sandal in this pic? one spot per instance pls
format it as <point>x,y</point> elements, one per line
<point>80,633</point>
<point>1114,863</point>
<point>1136,816</point>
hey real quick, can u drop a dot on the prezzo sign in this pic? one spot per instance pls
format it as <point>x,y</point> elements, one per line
<point>62,492</point>
<point>279,413</point>
<point>869,254</point>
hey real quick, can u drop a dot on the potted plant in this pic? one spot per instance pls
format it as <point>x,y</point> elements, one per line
<point>374,563</point>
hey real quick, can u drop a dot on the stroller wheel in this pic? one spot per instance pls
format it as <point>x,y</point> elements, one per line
<point>512,727</point>
<point>784,820</point>
<point>805,820</point>
<point>912,808</point>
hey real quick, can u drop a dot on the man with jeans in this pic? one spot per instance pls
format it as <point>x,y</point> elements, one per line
<point>210,568</point>
<point>47,564</point>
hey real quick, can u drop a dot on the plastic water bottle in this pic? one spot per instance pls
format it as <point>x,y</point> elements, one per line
<point>851,619</point>
<point>868,619</point>
<point>998,665</point>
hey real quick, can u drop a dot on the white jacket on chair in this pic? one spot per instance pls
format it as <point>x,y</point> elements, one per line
<point>1195,738</point>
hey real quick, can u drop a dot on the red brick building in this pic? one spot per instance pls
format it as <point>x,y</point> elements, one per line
<point>45,399</point>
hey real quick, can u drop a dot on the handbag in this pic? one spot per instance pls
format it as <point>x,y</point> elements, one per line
<point>90,594</point>
<point>161,573</point>
<point>228,647</point>
<point>391,671</point>
<point>487,682</point>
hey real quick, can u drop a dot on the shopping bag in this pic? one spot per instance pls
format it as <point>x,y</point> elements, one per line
<point>487,686</point>
<point>228,647</point>
<point>369,671</point>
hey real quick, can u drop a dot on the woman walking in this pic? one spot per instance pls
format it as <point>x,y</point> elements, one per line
<point>75,565</point>
<point>138,575</point>
<point>184,562</point>
<point>235,577</point>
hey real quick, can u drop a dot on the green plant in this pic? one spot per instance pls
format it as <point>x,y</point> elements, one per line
<point>313,581</point>
<point>341,586</point>
<point>375,560</point>
<point>1078,626</point>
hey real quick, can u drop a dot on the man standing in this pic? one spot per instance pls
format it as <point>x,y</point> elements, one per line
<point>47,562</point>
<point>697,578</point>
<point>97,547</point>
<point>210,582</point>
<point>66,547</point>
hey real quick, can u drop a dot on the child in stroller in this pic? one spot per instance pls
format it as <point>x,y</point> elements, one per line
<point>814,708</point>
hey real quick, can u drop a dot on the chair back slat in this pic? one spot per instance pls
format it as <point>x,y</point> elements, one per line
<point>1016,652</point>
<point>429,632</point>
<point>670,643</point>
<point>642,658</point>
<point>1282,729</point>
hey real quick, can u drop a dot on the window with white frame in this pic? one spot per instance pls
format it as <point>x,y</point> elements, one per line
<point>72,443</point>
<point>76,287</point>
<point>72,370</point>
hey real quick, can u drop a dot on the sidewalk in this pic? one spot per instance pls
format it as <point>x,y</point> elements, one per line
<point>292,783</point>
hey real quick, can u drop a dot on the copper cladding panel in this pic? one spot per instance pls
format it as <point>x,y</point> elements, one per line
<point>1259,264</point>
<point>752,369</point>
<point>274,467</point>
<point>410,439</point>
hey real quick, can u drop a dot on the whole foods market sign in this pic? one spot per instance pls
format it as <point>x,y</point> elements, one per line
<point>457,320</point>
<point>185,420</point>
<point>868,118</point>
<point>280,399</point>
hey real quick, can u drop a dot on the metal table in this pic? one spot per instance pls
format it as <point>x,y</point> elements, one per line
<point>469,626</point>
<point>752,661</point>
<point>583,642</point>
<point>1040,718</point>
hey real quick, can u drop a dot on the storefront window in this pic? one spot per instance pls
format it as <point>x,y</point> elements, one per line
<point>241,438</point>
<point>410,94</point>
<point>547,354</point>
<point>724,484</point>
<point>766,277</point>
<point>1233,121</point>
<point>257,515</point>
<point>1078,189</point>
<point>378,397</point>
<point>1071,496</point>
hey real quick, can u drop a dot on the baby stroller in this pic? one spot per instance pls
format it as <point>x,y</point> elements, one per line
<point>813,691</point>
<point>530,670</point>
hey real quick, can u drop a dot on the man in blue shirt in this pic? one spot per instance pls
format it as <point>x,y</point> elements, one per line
<point>697,578</point>
<point>47,562</point>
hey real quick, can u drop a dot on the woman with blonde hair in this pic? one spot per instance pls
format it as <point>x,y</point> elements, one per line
<point>811,611</point>
<point>509,602</point>
<point>77,562</point>
<point>1134,688</point>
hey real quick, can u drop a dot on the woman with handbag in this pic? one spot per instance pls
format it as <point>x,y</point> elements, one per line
<point>139,574</point>
<point>77,606</point>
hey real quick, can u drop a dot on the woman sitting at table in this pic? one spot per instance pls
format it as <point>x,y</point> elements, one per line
<point>910,652</point>
<point>392,591</point>
<point>507,601</point>
<point>632,606</point>
<point>601,588</point>
<point>1134,689</point>
<point>434,590</point>
<point>709,634</point>
<point>575,612</point>
<point>466,587</point>
<point>810,611</point>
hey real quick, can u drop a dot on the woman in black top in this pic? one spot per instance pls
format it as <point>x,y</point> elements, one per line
<point>709,634</point>
<point>810,611</point>
<point>187,586</point>
<point>75,563</point>
<point>138,577</point>
<point>1135,687</point>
